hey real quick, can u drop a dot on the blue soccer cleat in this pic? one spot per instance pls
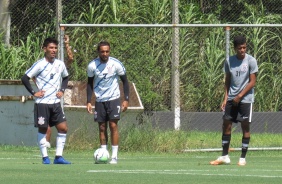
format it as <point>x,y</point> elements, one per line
<point>46,160</point>
<point>61,160</point>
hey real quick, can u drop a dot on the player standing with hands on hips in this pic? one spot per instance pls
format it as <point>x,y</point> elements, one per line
<point>240,79</point>
<point>67,63</point>
<point>51,78</point>
<point>103,78</point>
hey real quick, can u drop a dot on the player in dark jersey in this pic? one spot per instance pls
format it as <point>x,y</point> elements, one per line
<point>51,77</point>
<point>103,78</point>
<point>240,79</point>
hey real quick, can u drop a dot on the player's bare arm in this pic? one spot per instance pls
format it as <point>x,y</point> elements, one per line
<point>226,89</point>
<point>69,52</point>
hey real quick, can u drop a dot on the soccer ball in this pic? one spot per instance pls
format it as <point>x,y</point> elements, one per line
<point>101,156</point>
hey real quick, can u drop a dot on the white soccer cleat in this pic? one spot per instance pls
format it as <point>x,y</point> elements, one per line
<point>242,162</point>
<point>221,160</point>
<point>113,161</point>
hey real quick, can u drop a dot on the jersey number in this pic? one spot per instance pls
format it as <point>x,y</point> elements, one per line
<point>118,108</point>
<point>237,73</point>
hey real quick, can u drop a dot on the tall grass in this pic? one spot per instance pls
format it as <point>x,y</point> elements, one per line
<point>147,52</point>
<point>265,45</point>
<point>146,138</point>
<point>15,60</point>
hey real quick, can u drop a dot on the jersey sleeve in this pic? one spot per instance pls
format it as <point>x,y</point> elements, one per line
<point>226,67</point>
<point>120,69</point>
<point>65,71</point>
<point>90,69</point>
<point>253,66</point>
<point>33,70</point>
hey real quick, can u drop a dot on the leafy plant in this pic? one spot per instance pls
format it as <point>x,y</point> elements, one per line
<point>147,52</point>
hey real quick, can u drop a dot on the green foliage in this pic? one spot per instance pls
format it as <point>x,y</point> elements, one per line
<point>147,52</point>
<point>17,59</point>
<point>25,15</point>
<point>146,138</point>
<point>265,45</point>
<point>83,138</point>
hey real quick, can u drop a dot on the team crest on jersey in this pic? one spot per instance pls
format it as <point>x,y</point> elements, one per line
<point>109,68</point>
<point>41,120</point>
<point>57,69</point>
<point>244,68</point>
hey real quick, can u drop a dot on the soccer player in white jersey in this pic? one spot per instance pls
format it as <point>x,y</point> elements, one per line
<point>103,78</point>
<point>68,63</point>
<point>240,79</point>
<point>51,78</point>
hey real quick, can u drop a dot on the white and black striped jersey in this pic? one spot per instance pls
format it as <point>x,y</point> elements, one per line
<point>106,78</point>
<point>48,78</point>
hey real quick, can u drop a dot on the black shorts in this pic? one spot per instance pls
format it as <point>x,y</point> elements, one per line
<point>105,111</point>
<point>48,114</point>
<point>241,112</point>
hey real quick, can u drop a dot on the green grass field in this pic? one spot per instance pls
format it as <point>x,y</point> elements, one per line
<point>23,165</point>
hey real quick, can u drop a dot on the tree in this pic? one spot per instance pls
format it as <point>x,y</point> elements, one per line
<point>5,19</point>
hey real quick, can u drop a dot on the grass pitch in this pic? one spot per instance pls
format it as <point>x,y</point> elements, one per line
<point>23,165</point>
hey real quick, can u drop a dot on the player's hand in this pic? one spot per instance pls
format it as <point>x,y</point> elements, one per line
<point>39,94</point>
<point>124,106</point>
<point>236,100</point>
<point>66,39</point>
<point>89,108</point>
<point>223,106</point>
<point>59,94</point>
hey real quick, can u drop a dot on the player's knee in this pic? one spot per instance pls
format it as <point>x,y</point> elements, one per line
<point>113,128</point>
<point>226,127</point>
<point>102,127</point>
<point>62,129</point>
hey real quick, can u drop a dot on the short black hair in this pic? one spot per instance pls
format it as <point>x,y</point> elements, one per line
<point>50,40</point>
<point>239,40</point>
<point>103,43</point>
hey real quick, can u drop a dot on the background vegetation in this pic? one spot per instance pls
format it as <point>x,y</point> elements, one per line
<point>145,138</point>
<point>146,52</point>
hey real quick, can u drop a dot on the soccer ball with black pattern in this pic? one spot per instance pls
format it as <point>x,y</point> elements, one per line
<point>101,156</point>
